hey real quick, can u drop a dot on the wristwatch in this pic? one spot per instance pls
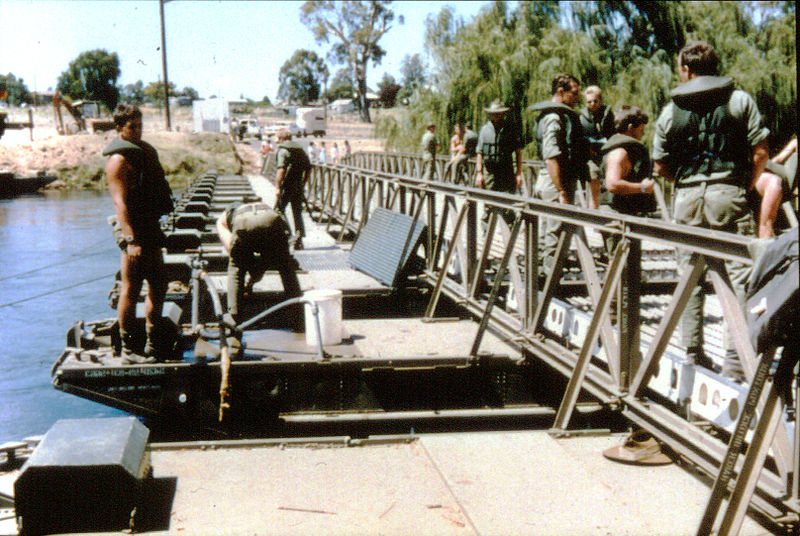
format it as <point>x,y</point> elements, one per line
<point>129,239</point>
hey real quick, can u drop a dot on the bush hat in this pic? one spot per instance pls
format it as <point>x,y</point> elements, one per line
<point>496,108</point>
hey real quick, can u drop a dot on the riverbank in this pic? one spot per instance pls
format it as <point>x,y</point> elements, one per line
<point>77,160</point>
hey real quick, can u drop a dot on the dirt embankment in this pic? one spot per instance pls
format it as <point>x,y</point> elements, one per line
<point>77,160</point>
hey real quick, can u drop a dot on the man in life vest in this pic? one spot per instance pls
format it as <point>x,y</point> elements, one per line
<point>626,167</point>
<point>141,196</point>
<point>565,150</point>
<point>711,142</point>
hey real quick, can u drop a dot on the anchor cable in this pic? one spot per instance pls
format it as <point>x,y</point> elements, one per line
<point>9,304</point>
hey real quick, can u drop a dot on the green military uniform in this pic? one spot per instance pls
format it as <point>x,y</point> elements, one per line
<point>294,160</point>
<point>497,144</point>
<point>428,155</point>
<point>704,137</point>
<point>641,168</point>
<point>597,127</point>
<point>259,242</point>
<point>558,135</point>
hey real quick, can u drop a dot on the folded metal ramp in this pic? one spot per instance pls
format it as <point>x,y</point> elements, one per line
<point>385,244</point>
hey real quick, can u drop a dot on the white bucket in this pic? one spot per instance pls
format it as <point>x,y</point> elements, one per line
<point>329,305</point>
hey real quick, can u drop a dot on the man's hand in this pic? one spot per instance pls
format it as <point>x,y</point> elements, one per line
<point>520,177</point>
<point>134,251</point>
<point>479,179</point>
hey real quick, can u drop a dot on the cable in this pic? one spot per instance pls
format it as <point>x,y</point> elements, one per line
<point>55,291</point>
<point>105,251</point>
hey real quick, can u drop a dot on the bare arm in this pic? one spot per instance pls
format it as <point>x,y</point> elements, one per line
<point>618,167</point>
<point>760,157</point>
<point>479,170</point>
<point>223,232</point>
<point>786,152</point>
<point>119,173</point>
<point>518,173</point>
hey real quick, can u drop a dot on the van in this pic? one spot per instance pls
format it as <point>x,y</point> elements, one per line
<point>311,121</point>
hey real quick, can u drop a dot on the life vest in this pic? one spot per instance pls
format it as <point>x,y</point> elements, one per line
<point>574,145</point>
<point>297,163</point>
<point>149,197</point>
<point>641,167</point>
<point>256,227</point>
<point>596,131</point>
<point>705,137</point>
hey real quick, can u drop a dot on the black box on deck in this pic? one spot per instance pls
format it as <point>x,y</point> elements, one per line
<point>85,475</point>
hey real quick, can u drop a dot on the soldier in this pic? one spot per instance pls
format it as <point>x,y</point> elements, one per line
<point>597,121</point>
<point>429,152</point>
<point>141,196</point>
<point>290,180</point>
<point>627,167</point>
<point>257,239</point>
<point>564,149</point>
<point>498,143</point>
<point>711,175</point>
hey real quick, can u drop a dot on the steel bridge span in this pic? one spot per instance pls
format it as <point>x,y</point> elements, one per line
<point>623,365</point>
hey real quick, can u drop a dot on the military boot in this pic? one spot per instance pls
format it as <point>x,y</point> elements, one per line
<point>155,347</point>
<point>128,353</point>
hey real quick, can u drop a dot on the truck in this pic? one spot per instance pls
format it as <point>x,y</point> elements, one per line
<point>311,121</point>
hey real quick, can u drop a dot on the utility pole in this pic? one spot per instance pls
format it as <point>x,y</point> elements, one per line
<point>164,61</point>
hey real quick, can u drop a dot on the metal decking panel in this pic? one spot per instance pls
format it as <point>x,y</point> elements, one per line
<point>385,244</point>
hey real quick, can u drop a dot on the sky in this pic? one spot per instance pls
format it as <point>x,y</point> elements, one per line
<point>223,48</point>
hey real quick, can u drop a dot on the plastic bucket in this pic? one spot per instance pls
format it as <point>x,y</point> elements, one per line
<point>329,305</point>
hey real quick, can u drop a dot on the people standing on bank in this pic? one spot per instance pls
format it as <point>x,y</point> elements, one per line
<point>323,153</point>
<point>141,195</point>
<point>347,151</point>
<point>711,175</point>
<point>429,146</point>
<point>256,238</point>
<point>627,168</point>
<point>335,153</point>
<point>290,180</point>
<point>499,142</point>
<point>597,121</point>
<point>563,147</point>
<point>312,152</point>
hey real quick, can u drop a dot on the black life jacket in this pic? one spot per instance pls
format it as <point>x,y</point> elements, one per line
<point>574,145</point>
<point>705,137</point>
<point>641,168</point>
<point>296,165</point>
<point>597,131</point>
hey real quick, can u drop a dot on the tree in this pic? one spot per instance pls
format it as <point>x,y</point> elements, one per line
<point>413,72</point>
<point>301,76</point>
<point>388,90</point>
<point>13,91</point>
<point>190,92</point>
<point>154,92</point>
<point>341,86</point>
<point>358,27</point>
<point>92,76</point>
<point>132,93</point>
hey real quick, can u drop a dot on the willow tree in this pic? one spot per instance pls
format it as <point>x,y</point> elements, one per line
<point>357,27</point>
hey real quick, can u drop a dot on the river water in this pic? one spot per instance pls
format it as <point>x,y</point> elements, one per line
<point>58,264</point>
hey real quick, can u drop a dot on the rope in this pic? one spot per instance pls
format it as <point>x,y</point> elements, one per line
<point>9,304</point>
<point>28,272</point>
